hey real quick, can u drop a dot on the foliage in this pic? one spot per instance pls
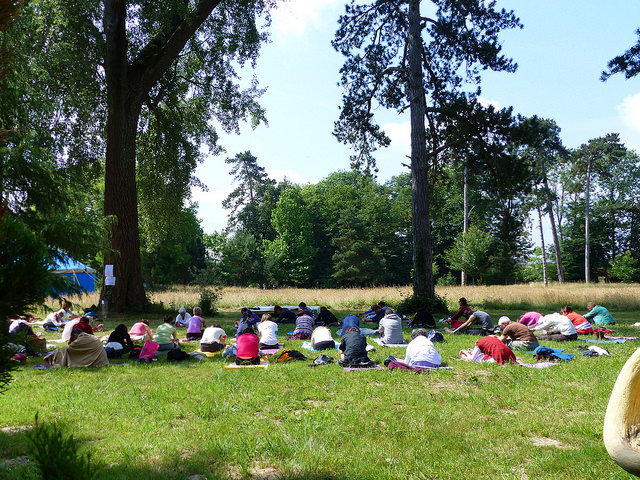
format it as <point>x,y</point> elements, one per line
<point>409,305</point>
<point>469,252</point>
<point>624,268</point>
<point>209,300</point>
<point>57,454</point>
<point>26,276</point>
<point>627,63</point>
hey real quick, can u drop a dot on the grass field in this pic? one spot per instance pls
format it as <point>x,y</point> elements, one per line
<point>199,420</point>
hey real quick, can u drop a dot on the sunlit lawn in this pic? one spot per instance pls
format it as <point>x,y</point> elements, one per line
<point>291,421</point>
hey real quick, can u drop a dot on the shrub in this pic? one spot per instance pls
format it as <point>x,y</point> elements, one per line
<point>209,299</point>
<point>411,303</point>
<point>56,454</point>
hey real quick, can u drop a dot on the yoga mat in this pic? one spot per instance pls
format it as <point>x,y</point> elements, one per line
<point>263,364</point>
<point>379,342</point>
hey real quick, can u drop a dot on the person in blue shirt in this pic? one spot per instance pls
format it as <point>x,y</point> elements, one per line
<point>349,321</point>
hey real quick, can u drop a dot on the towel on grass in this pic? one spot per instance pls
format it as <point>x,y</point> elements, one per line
<point>538,365</point>
<point>620,338</point>
<point>264,363</point>
<point>307,344</point>
<point>351,369</point>
<point>208,354</point>
<point>368,331</point>
<point>379,342</point>
<point>271,351</point>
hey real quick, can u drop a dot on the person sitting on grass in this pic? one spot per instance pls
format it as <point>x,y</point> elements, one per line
<point>165,335</point>
<point>121,337</point>
<point>583,327</point>
<point>390,328</point>
<point>321,339</point>
<point>140,331</point>
<point>304,310</point>
<point>84,350</point>
<point>489,349</point>
<point>283,315</point>
<point>483,319</point>
<point>247,344</point>
<point>196,325</point>
<point>374,315</point>
<point>517,336</point>
<point>455,319</point>
<point>423,318</point>
<point>268,330</point>
<point>326,318</point>
<point>213,339</point>
<point>421,353</point>
<point>304,328</point>
<point>247,319</point>
<point>530,318</point>
<point>558,328</point>
<point>353,349</point>
<point>349,321</point>
<point>182,319</point>
<point>84,325</point>
<point>599,314</point>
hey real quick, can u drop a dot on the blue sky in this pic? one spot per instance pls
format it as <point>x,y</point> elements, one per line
<point>561,50</point>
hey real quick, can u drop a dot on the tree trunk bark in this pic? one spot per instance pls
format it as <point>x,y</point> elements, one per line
<point>587,248</point>
<point>545,277</point>
<point>120,192</point>
<point>465,219</point>
<point>554,232</point>
<point>422,241</point>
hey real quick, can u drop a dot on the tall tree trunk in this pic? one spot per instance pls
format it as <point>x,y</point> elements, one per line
<point>554,232</point>
<point>121,195</point>
<point>422,242</point>
<point>587,248</point>
<point>465,217</point>
<point>545,277</point>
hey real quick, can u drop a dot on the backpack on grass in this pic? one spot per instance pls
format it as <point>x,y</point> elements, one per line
<point>288,355</point>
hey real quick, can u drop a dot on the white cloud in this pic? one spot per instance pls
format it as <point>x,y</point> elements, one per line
<point>486,102</point>
<point>629,112</point>
<point>290,175</point>
<point>295,16</point>
<point>399,133</point>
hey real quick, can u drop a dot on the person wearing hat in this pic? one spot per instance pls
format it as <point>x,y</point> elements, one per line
<point>517,336</point>
<point>182,320</point>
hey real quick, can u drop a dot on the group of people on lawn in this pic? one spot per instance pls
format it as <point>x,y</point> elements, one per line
<point>256,333</point>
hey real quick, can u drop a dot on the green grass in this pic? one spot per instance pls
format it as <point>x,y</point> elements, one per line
<point>166,421</point>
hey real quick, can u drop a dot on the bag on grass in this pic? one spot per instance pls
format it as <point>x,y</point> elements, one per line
<point>135,353</point>
<point>177,355</point>
<point>148,351</point>
<point>435,336</point>
<point>288,355</point>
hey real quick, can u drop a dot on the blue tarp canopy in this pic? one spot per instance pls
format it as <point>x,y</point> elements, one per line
<point>77,273</point>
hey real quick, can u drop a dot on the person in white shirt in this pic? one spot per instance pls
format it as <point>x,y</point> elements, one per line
<point>213,339</point>
<point>558,327</point>
<point>268,330</point>
<point>421,353</point>
<point>321,339</point>
<point>182,320</point>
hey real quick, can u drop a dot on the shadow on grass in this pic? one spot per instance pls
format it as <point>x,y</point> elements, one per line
<point>17,463</point>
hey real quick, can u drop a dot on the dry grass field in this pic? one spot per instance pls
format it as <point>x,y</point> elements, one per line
<point>619,297</point>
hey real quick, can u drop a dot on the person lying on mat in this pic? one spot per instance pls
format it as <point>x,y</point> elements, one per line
<point>558,328</point>
<point>489,349</point>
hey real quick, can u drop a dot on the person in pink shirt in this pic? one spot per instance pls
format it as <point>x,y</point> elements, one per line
<point>248,344</point>
<point>140,331</point>
<point>530,319</point>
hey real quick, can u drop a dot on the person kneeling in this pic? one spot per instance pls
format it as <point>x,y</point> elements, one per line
<point>213,339</point>
<point>248,347</point>
<point>421,353</point>
<point>353,350</point>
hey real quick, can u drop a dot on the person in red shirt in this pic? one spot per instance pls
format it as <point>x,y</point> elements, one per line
<point>492,346</point>
<point>453,319</point>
